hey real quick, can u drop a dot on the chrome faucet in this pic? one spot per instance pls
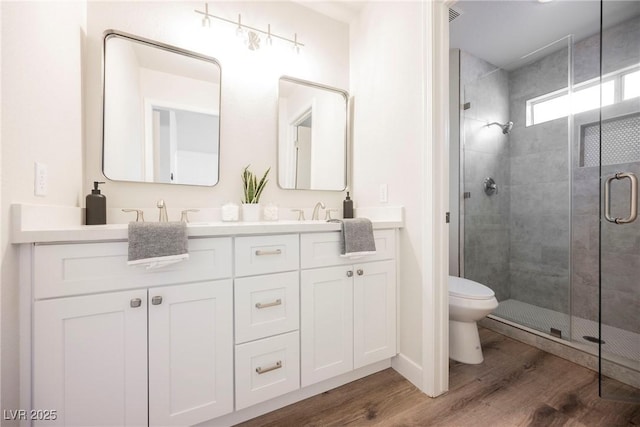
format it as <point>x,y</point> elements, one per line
<point>163,211</point>
<point>316,209</point>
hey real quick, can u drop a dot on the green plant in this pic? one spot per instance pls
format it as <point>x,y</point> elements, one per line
<point>253,188</point>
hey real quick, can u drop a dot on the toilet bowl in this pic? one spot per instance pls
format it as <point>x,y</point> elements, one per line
<point>469,302</point>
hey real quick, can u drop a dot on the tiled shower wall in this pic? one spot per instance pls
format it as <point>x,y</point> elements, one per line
<point>540,193</point>
<point>486,154</point>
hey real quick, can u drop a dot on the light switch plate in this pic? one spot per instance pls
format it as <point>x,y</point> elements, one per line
<point>384,193</point>
<point>41,179</point>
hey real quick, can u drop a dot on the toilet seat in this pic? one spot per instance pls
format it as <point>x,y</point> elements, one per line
<point>465,288</point>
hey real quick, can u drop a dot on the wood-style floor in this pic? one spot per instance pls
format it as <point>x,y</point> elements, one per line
<point>517,385</point>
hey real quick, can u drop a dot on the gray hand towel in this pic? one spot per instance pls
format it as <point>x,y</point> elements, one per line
<point>357,237</point>
<point>158,243</point>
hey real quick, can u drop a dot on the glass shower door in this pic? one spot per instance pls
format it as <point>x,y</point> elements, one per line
<point>617,138</point>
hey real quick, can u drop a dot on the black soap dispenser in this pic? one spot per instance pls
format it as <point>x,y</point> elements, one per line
<point>347,207</point>
<point>96,212</point>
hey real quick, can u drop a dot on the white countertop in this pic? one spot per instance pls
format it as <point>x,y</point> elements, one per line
<point>29,226</point>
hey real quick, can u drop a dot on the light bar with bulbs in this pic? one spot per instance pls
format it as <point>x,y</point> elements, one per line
<point>253,34</point>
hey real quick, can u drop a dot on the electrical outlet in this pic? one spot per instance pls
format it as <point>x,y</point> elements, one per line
<point>384,193</point>
<point>41,179</point>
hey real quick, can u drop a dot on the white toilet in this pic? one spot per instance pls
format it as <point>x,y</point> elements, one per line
<point>469,302</point>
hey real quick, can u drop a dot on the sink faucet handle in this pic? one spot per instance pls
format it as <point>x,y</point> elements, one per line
<point>327,215</point>
<point>300,214</point>
<point>184,216</point>
<point>162,217</point>
<point>139,214</point>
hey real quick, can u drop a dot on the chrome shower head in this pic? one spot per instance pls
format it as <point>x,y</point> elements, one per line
<point>506,128</point>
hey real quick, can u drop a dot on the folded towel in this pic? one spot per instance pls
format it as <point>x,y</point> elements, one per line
<point>157,244</point>
<point>357,237</point>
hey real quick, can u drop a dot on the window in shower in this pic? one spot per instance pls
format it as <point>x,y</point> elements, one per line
<point>631,85</point>
<point>615,87</point>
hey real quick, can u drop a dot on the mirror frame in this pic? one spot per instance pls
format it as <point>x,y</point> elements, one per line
<point>110,33</point>
<point>347,131</point>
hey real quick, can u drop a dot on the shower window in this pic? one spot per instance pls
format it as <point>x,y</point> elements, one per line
<point>618,86</point>
<point>631,85</point>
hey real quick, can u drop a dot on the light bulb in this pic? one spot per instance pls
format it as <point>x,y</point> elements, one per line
<point>239,30</point>
<point>296,46</point>
<point>269,40</point>
<point>206,22</point>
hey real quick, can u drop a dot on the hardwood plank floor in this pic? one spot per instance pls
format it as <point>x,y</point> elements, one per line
<point>517,385</point>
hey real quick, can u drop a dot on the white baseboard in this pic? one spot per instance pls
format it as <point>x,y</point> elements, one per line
<point>408,369</point>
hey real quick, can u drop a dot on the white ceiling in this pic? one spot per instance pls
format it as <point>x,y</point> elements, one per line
<point>340,10</point>
<point>502,32</point>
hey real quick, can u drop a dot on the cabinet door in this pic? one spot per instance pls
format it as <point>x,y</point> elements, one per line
<point>190,353</point>
<point>326,325</point>
<point>90,359</point>
<point>374,312</point>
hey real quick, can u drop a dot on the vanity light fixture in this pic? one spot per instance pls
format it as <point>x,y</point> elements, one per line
<point>252,34</point>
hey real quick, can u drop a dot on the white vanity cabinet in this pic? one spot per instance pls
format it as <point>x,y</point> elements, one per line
<point>241,328</point>
<point>157,355</point>
<point>349,310</point>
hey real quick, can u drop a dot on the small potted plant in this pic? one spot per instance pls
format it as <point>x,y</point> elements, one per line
<point>252,192</point>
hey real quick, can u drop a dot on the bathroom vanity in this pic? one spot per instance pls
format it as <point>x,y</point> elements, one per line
<point>258,317</point>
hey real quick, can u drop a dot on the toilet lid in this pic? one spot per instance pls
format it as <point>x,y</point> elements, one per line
<point>465,288</point>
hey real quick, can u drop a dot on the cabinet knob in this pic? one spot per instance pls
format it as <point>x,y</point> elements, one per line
<point>349,273</point>
<point>360,272</point>
<point>135,303</point>
<point>157,300</point>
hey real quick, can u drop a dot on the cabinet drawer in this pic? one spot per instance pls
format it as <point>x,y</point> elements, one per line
<point>266,254</point>
<point>323,249</point>
<point>266,305</point>
<point>267,368</point>
<point>70,269</point>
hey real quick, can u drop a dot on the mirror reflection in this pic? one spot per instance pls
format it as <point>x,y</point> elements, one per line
<point>161,113</point>
<point>312,136</point>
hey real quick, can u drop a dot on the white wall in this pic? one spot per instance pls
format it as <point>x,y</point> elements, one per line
<point>389,139</point>
<point>399,75</point>
<point>249,89</point>
<point>41,121</point>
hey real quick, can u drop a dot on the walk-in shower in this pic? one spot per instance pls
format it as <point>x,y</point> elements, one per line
<point>545,151</point>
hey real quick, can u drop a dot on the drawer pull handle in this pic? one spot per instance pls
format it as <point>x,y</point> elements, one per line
<point>135,303</point>
<point>260,370</point>
<point>157,300</point>
<point>260,252</point>
<point>360,272</point>
<point>269,304</point>
<point>349,273</point>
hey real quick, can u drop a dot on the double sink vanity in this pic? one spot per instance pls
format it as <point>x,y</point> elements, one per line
<point>261,315</point>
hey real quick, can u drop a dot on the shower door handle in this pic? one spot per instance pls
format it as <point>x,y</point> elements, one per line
<point>633,197</point>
